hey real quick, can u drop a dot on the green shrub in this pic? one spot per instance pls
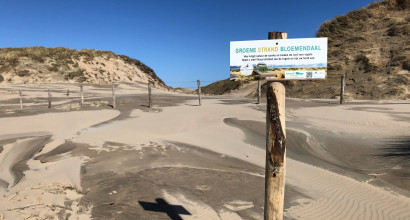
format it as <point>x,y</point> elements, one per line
<point>393,30</point>
<point>406,64</point>
<point>402,80</point>
<point>81,79</point>
<point>336,67</point>
<point>78,73</point>
<point>23,73</point>
<point>364,63</point>
<point>52,68</point>
<point>403,4</point>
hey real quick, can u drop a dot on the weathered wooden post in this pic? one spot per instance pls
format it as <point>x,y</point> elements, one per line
<point>277,35</point>
<point>49,98</point>
<point>275,152</point>
<point>149,95</point>
<point>113,97</point>
<point>342,88</point>
<point>82,95</point>
<point>21,99</point>
<point>275,146</point>
<point>259,91</point>
<point>199,91</point>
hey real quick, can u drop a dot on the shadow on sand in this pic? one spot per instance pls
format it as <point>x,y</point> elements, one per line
<point>398,148</point>
<point>160,205</point>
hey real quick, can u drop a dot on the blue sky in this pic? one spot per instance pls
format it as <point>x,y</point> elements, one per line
<point>182,41</point>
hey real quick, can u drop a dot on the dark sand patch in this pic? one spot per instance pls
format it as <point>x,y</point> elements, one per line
<point>116,180</point>
<point>395,161</point>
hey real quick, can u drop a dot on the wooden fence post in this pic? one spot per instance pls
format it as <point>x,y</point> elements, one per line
<point>342,88</point>
<point>199,92</point>
<point>259,91</point>
<point>113,97</point>
<point>149,95</point>
<point>82,95</point>
<point>275,152</point>
<point>49,98</point>
<point>21,99</point>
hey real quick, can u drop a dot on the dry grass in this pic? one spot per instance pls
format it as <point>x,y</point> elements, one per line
<point>61,60</point>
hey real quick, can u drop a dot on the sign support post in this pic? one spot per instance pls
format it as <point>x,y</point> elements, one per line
<point>275,146</point>
<point>275,152</point>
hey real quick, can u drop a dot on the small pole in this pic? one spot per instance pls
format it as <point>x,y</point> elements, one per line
<point>259,91</point>
<point>113,96</point>
<point>82,95</point>
<point>149,96</point>
<point>21,99</point>
<point>68,92</point>
<point>275,152</point>
<point>342,88</point>
<point>49,98</point>
<point>199,91</point>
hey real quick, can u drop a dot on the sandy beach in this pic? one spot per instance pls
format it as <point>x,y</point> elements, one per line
<point>179,160</point>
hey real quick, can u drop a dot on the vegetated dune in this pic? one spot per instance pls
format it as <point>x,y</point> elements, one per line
<point>42,65</point>
<point>370,46</point>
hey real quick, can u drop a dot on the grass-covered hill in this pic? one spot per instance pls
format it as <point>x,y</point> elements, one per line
<point>42,65</point>
<point>371,46</point>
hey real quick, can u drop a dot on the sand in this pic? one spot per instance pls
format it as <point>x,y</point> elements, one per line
<point>179,160</point>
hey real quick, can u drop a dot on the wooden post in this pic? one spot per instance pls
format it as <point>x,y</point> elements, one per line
<point>277,35</point>
<point>259,91</point>
<point>342,88</point>
<point>275,152</point>
<point>149,96</point>
<point>21,99</point>
<point>275,146</point>
<point>82,95</point>
<point>49,98</point>
<point>113,97</point>
<point>199,91</point>
<point>68,92</point>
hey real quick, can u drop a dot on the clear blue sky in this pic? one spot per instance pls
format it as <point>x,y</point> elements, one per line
<point>181,40</point>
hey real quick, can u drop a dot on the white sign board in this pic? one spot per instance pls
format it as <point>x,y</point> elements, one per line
<point>304,58</point>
